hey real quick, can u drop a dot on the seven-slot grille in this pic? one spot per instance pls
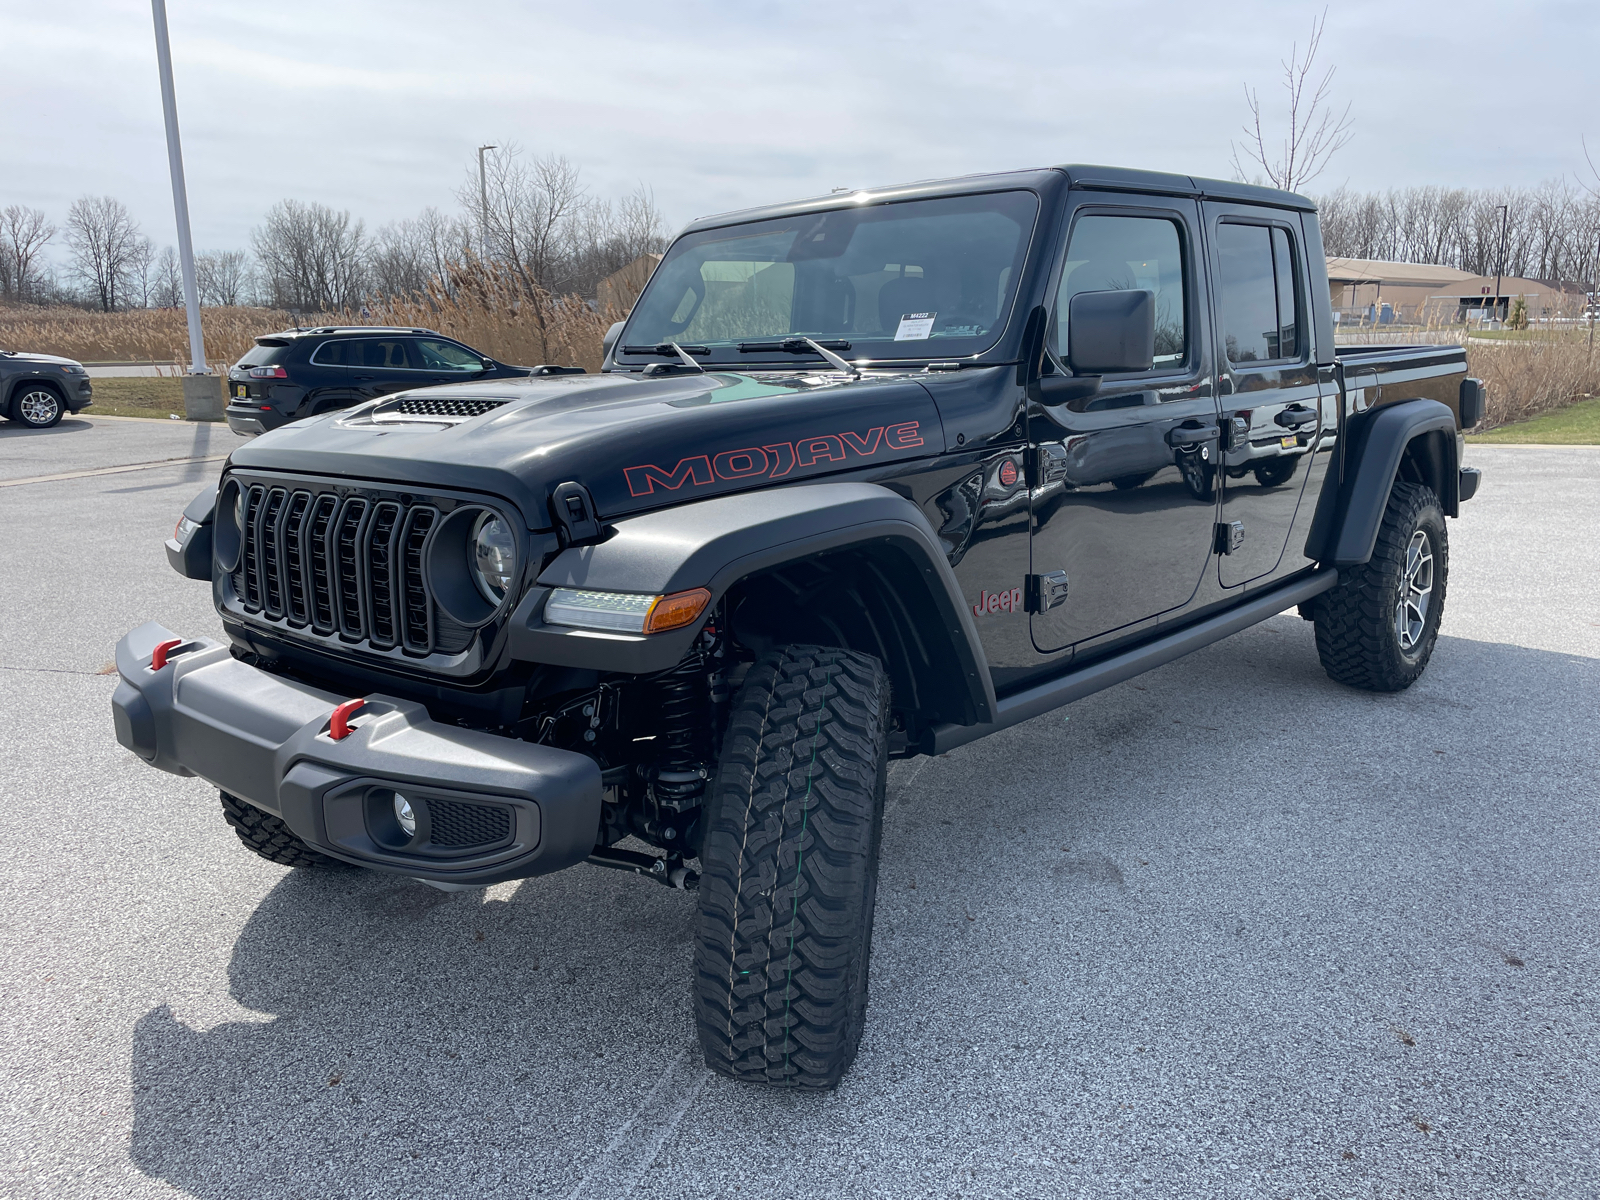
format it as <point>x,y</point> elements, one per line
<point>349,565</point>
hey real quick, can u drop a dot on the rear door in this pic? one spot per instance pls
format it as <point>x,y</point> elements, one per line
<point>1124,495</point>
<point>1266,379</point>
<point>382,365</point>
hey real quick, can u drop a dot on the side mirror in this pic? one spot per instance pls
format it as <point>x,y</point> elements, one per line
<point>1109,332</point>
<point>611,337</point>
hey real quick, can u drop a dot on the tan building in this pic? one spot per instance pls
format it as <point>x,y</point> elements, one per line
<point>620,289</point>
<point>1371,292</point>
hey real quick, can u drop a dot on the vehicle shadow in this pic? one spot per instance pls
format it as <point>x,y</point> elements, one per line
<point>418,1042</point>
<point>16,429</point>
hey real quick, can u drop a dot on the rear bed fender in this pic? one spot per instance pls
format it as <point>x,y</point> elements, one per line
<point>1413,440</point>
<point>719,542</point>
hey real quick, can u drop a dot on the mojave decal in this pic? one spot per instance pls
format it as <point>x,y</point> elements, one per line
<point>771,461</point>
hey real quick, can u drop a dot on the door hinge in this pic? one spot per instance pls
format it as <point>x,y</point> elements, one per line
<point>1235,433</point>
<point>1047,463</point>
<point>1230,536</point>
<point>1044,592</point>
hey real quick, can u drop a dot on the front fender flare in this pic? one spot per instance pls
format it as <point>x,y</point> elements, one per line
<point>714,543</point>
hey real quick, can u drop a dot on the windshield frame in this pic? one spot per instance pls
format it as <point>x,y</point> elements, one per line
<point>729,357</point>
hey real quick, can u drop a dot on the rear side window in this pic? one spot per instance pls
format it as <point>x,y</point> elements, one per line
<point>264,355</point>
<point>446,356</point>
<point>1110,253</point>
<point>385,353</point>
<point>1257,299</point>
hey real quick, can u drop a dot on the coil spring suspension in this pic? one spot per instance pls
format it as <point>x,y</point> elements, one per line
<point>684,697</point>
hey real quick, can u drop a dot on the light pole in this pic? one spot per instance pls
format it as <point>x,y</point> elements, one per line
<point>180,206</point>
<point>1505,216</point>
<point>483,207</point>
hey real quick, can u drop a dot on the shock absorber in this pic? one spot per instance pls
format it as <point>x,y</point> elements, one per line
<point>684,699</point>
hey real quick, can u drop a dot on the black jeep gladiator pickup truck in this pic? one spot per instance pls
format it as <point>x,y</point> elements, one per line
<point>863,477</point>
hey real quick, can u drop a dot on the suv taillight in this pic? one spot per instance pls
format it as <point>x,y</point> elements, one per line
<point>268,373</point>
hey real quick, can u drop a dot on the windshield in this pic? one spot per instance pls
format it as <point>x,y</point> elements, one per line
<point>920,279</point>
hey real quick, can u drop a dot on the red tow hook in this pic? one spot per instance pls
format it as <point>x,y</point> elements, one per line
<point>158,657</point>
<point>339,723</point>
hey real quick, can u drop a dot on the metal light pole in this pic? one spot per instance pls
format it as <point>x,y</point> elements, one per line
<point>1505,215</point>
<point>180,196</point>
<point>483,209</point>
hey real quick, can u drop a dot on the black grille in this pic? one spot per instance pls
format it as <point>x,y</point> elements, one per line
<point>445,406</point>
<point>349,566</point>
<point>458,824</point>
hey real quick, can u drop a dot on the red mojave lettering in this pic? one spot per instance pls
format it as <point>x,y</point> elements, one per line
<point>773,461</point>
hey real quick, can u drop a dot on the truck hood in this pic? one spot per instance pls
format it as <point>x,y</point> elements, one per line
<point>636,442</point>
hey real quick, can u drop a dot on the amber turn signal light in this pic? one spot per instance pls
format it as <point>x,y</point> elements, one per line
<point>677,610</point>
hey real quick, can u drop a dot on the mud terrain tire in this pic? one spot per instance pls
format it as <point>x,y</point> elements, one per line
<point>269,837</point>
<point>1359,637</point>
<point>789,869</point>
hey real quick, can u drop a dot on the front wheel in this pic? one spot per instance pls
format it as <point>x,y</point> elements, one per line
<point>789,869</point>
<point>38,407</point>
<point>269,837</point>
<point>1377,629</point>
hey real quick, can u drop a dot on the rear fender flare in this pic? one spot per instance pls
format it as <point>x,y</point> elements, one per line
<point>718,542</point>
<point>1381,442</point>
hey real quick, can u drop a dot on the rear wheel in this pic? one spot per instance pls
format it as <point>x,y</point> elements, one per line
<point>789,869</point>
<point>269,837</point>
<point>37,407</point>
<point>1377,629</point>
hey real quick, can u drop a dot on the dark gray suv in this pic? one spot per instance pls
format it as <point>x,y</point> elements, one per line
<point>37,389</point>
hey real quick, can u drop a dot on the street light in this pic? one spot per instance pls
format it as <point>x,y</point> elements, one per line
<point>204,405</point>
<point>1505,215</point>
<point>483,210</point>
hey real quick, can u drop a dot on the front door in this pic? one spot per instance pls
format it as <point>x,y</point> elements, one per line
<point>1267,381</point>
<point>1124,480</point>
<point>379,366</point>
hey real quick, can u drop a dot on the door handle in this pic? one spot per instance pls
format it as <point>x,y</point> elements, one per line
<point>1192,435</point>
<point>1295,416</point>
<point>363,378</point>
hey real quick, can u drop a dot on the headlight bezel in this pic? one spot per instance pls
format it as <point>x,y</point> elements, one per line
<point>452,574</point>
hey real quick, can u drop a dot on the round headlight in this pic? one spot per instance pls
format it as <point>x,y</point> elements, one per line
<point>492,556</point>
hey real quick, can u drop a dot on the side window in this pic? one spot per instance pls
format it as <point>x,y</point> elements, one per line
<point>1257,298</point>
<point>1110,253</point>
<point>335,354</point>
<point>446,356</point>
<point>385,354</point>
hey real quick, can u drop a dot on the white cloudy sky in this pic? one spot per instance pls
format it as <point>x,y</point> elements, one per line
<point>377,106</point>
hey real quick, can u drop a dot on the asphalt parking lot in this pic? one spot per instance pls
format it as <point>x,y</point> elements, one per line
<point>1226,930</point>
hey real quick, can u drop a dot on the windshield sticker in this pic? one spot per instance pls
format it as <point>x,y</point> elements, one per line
<point>774,461</point>
<point>915,327</point>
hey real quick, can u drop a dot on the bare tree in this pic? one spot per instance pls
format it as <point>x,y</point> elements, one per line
<point>166,286</point>
<point>222,277</point>
<point>24,232</point>
<point>139,286</point>
<point>406,256</point>
<point>531,207</point>
<point>312,258</point>
<point>105,243</point>
<point>1314,135</point>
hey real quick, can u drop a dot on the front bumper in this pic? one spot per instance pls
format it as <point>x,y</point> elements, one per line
<point>493,808</point>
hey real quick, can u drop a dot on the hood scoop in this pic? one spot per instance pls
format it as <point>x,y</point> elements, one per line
<point>425,409</point>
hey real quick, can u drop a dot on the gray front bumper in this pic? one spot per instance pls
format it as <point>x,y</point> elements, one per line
<point>265,740</point>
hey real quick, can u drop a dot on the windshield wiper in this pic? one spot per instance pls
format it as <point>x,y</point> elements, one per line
<point>804,345</point>
<point>672,350</point>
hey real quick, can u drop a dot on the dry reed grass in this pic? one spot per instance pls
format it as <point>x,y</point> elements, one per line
<point>139,335</point>
<point>1526,378</point>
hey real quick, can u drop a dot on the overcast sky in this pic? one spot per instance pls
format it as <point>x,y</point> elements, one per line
<point>377,107</point>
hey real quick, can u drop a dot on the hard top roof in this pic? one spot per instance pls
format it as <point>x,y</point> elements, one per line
<point>1122,179</point>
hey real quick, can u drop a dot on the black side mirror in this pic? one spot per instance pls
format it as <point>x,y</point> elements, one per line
<point>1108,332</point>
<point>610,340</point>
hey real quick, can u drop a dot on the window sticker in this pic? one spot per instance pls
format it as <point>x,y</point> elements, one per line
<point>915,327</point>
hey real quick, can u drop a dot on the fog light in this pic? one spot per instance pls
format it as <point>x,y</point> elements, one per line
<point>405,815</point>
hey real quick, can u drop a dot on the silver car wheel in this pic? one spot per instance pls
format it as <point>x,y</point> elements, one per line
<point>39,407</point>
<point>1415,593</point>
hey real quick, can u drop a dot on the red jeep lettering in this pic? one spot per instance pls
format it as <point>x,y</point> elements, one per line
<point>737,464</point>
<point>828,446</point>
<point>783,459</point>
<point>642,480</point>
<point>864,445</point>
<point>902,436</point>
